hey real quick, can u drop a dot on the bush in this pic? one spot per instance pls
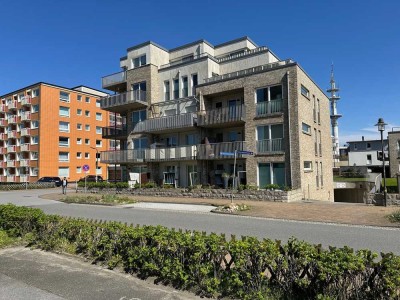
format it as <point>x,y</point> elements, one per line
<point>394,217</point>
<point>272,187</point>
<point>211,266</point>
<point>149,185</point>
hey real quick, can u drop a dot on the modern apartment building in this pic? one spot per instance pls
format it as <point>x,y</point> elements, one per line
<point>199,111</point>
<point>49,130</point>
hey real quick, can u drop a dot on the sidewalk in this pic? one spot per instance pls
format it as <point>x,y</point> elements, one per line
<point>330,212</point>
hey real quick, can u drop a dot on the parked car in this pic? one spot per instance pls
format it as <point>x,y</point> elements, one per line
<point>47,179</point>
<point>91,178</point>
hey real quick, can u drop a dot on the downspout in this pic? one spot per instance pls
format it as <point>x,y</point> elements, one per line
<point>290,148</point>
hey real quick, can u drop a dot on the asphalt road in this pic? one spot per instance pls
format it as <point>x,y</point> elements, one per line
<point>377,239</point>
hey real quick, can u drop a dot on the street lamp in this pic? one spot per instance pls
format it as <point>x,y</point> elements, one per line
<point>381,127</point>
<point>97,161</point>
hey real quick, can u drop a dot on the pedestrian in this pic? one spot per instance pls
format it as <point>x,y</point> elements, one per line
<point>64,184</point>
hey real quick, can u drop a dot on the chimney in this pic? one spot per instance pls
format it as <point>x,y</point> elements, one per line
<point>362,138</point>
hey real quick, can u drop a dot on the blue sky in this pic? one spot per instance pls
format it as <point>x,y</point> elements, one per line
<point>69,43</point>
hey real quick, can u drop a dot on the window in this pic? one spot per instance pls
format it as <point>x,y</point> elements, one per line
<point>35,108</point>
<point>79,126</point>
<point>98,143</point>
<point>78,170</point>
<point>195,82</point>
<point>79,98</point>
<point>99,116</point>
<point>268,100</point>
<point>34,124</point>
<point>64,96</point>
<point>269,138</point>
<point>35,139</point>
<point>315,142</point>
<point>87,99</point>
<point>98,103</point>
<point>185,91</point>
<point>79,141</point>
<point>79,155</point>
<point>87,155</point>
<point>79,112</point>
<point>306,128</point>
<point>138,116</point>
<point>369,159</point>
<point>87,127</point>
<point>319,111</point>
<point>355,147</point>
<point>87,113</point>
<point>63,126</point>
<point>139,91</point>
<point>63,172</point>
<point>35,93</point>
<point>191,108</point>
<point>314,109</point>
<point>166,90</point>
<point>63,156</point>
<point>64,111</point>
<point>320,142</point>
<point>139,61</point>
<point>171,141</point>
<point>304,91</point>
<point>63,141</point>
<point>87,141</point>
<point>271,173</point>
<point>233,136</point>
<point>317,175</point>
<point>176,88</point>
<point>368,146</point>
<point>140,143</point>
<point>307,166</point>
<point>322,177</point>
<point>98,130</point>
<point>191,139</point>
<point>34,155</point>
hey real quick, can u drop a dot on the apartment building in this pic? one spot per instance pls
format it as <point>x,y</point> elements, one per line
<point>197,112</point>
<point>394,151</point>
<point>368,153</point>
<point>49,130</point>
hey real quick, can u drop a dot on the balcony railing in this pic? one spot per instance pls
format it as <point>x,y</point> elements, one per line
<point>268,107</point>
<point>25,131</point>
<point>26,100</point>
<point>165,123</point>
<point>270,146</point>
<point>123,99</point>
<point>3,150</point>
<point>24,178</point>
<point>24,163</point>
<point>25,147</point>
<point>221,115</point>
<point>3,122</point>
<point>12,134</point>
<point>11,163</point>
<point>110,132</point>
<point>11,149</point>
<point>12,104</point>
<point>26,116</point>
<point>249,71</point>
<point>122,156</point>
<point>12,120</point>
<point>246,53</point>
<point>166,154</point>
<point>3,108</point>
<point>113,79</point>
<point>3,136</point>
<point>11,178</point>
<point>3,164</point>
<point>185,59</point>
<point>213,151</point>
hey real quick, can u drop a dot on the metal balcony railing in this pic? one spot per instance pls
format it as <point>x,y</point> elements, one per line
<point>185,59</point>
<point>245,53</point>
<point>12,120</point>
<point>123,99</point>
<point>270,146</point>
<point>122,156</point>
<point>24,178</point>
<point>12,134</point>
<point>3,122</point>
<point>11,164</point>
<point>11,149</point>
<point>11,178</point>
<point>221,115</point>
<point>213,151</point>
<point>165,123</point>
<point>24,163</point>
<point>269,107</point>
<point>25,147</point>
<point>26,100</point>
<point>113,79</point>
<point>25,131</point>
<point>110,132</point>
<point>26,116</point>
<point>3,150</point>
<point>12,104</point>
<point>3,164</point>
<point>3,136</point>
<point>3,108</point>
<point>167,154</point>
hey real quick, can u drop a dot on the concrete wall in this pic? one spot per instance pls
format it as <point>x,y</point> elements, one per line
<point>245,62</point>
<point>359,158</point>
<point>394,151</point>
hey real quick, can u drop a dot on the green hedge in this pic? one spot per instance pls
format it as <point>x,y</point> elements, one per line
<point>210,266</point>
<point>103,184</point>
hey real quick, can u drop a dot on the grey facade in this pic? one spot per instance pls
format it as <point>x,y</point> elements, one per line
<point>190,111</point>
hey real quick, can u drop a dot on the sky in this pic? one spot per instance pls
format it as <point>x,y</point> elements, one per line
<point>70,43</point>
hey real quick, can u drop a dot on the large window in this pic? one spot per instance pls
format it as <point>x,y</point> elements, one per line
<point>269,138</point>
<point>63,156</point>
<point>140,143</point>
<point>139,61</point>
<point>64,96</point>
<point>63,126</point>
<point>139,91</point>
<point>98,130</point>
<point>195,82</point>
<point>269,100</point>
<point>64,111</point>
<point>176,88</point>
<point>63,172</point>
<point>63,141</point>
<point>271,173</point>
<point>138,116</point>
<point>304,91</point>
<point>166,90</point>
<point>35,93</point>
<point>185,86</point>
<point>99,116</point>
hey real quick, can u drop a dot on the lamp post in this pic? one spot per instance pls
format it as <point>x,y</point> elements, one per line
<point>97,161</point>
<point>381,127</point>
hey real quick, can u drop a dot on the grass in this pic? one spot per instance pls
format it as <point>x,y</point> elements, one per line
<point>99,199</point>
<point>391,181</point>
<point>5,240</point>
<point>394,217</point>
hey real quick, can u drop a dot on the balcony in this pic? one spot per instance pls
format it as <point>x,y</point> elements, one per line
<point>11,163</point>
<point>122,156</point>
<point>24,163</point>
<point>11,178</point>
<point>222,116</point>
<point>168,154</point>
<point>249,71</point>
<point>165,124</point>
<point>186,59</point>
<point>121,102</point>
<point>3,164</point>
<point>3,122</point>
<point>111,132</point>
<point>25,147</point>
<point>11,149</point>
<point>26,100</point>
<point>25,132</point>
<point>245,53</point>
<point>270,146</point>
<point>12,119</point>
<point>26,116</point>
<point>12,134</point>
<point>3,136</point>
<point>3,108</point>
<point>113,79</point>
<point>269,107</point>
<point>12,104</point>
<point>213,151</point>
<point>3,150</point>
<point>24,178</point>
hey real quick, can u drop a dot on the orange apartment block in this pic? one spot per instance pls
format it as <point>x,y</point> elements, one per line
<point>49,130</point>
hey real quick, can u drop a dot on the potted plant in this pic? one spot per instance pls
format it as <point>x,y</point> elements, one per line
<point>226,177</point>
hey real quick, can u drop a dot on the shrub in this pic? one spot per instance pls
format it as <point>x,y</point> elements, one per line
<point>272,187</point>
<point>394,217</point>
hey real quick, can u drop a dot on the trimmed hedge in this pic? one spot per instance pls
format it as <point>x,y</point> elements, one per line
<point>211,266</point>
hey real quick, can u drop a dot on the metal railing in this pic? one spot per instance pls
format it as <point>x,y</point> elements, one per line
<point>113,79</point>
<point>12,119</point>
<point>122,156</point>
<point>25,131</point>
<point>249,71</point>
<point>166,154</point>
<point>221,115</point>
<point>270,146</point>
<point>24,163</point>
<point>163,123</point>
<point>3,136</point>
<point>11,163</point>
<point>12,104</point>
<point>26,116</point>
<point>129,97</point>
<point>269,107</point>
<point>252,51</point>
<point>185,59</point>
<point>26,100</point>
<point>3,122</point>
<point>12,134</point>
<point>213,151</point>
<point>109,132</point>
<point>25,147</point>
<point>3,108</point>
